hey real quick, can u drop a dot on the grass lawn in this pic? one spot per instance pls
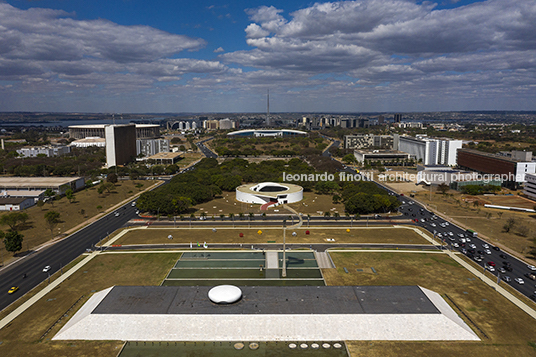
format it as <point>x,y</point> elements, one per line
<point>509,330</point>
<point>505,329</point>
<point>312,204</point>
<point>22,336</point>
<point>316,235</point>
<point>487,221</point>
<point>36,231</point>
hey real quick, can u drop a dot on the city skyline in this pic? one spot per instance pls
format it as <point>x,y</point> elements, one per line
<point>353,56</point>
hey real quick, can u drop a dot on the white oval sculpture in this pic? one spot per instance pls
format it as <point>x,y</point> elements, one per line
<point>224,294</point>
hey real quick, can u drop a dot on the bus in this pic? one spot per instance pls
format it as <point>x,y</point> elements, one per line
<point>472,233</point>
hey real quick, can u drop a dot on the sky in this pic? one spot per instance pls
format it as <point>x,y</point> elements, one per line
<point>161,56</point>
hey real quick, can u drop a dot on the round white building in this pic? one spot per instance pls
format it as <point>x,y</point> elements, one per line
<point>269,193</point>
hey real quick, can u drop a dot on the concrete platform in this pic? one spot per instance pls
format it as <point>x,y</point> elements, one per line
<point>185,313</point>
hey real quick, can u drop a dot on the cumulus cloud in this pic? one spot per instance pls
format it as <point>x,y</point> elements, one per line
<point>48,44</point>
<point>218,50</point>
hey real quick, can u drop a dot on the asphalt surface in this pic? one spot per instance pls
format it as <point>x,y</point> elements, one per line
<point>206,151</point>
<point>58,255</point>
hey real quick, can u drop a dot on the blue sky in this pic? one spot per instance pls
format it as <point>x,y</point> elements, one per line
<point>206,56</point>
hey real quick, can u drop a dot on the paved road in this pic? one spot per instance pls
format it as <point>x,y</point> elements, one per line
<point>206,151</point>
<point>58,255</point>
<point>483,253</point>
<point>517,269</point>
<point>317,247</point>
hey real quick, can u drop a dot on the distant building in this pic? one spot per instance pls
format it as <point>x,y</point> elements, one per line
<point>165,158</point>
<point>530,186</point>
<point>149,147</point>
<point>518,155</point>
<point>429,151</point>
<point>397,118</point>
<point>120,144</point>
<point>368,141</point>
<point>25,185</point>
<point>512,170</point>
<point>381,120</point>
<point>411,125</point>
<point>88,142</point>
<point>143,131</point>
<point>48,151</point>
<point>211,124</point>
<point>15,203</point>
<point>226,124</point>
<point>380,155</point>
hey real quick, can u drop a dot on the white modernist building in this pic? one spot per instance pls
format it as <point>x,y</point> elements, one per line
<point>269,192</point>
<point>266,132</point>
<point>530,186</point>
<point>430,151</point>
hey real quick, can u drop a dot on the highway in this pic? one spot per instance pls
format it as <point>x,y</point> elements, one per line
<point>480,254</point>
<point>58,255</point>
<point>206,151</point>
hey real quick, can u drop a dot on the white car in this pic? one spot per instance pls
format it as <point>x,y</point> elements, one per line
<point>472,246</point>
<point>455,245</point>
<point>47,268</point>
<point>117,214</point>
<point>487,251</point>
<point>462,240</point>
<point>519,281</point>
<point>531,267</point>
<point>490,268</point>
<point>485,246</point>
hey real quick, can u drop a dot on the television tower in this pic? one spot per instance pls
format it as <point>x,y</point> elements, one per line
<point>268,109</point>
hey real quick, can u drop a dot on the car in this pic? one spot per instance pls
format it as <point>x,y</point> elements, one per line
<point>520,281</point>
<point>46,269</point>
<point>433,225</point>
<point>508,268</point>
<point>467,239</point>
<point>502,270</point>
<point>487,251</point>
<point>137,211</point>
<point>480,252</point>
<point>531,267</point>
<point>504,256</point>
<point>462,240</point>
<point>451,234</point>
<point>496,248</point>
<point>507,278</point>
<point>472,246</point>
<point>117,214</point>
<point>477,258</point>
<point>133,203</point>
<point>506,264</point>
<point>485,245</point>
<point>455,245</point>
<point>490,268</point>
<point>13,289</point>
<point>491,263</point>
<point>464,251</point>
<point>530,276</point>
<point>461,235</point>
<point>446,223</point>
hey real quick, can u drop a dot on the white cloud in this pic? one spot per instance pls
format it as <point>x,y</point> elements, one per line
<point>218,50</point>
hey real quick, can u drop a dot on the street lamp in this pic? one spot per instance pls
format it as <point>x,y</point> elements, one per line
<point>284,271</point>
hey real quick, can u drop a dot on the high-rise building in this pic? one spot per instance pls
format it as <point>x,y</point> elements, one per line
<point>381,120</point>
<point>398,118</point>
<point>120,144</point>
<point>429,151</point>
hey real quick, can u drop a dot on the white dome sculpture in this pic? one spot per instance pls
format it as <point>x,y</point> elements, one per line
<point>224,294</point>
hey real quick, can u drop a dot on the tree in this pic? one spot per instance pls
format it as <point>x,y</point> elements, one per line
<point>40,204</point>
<point>70,195</point>
<point>349,159</point>
<point>509,224</point>
<point>52,218</point>
<point>14,219</point>
<point>443,188</point>
<point>112,178</point>
<point>13,241</point>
